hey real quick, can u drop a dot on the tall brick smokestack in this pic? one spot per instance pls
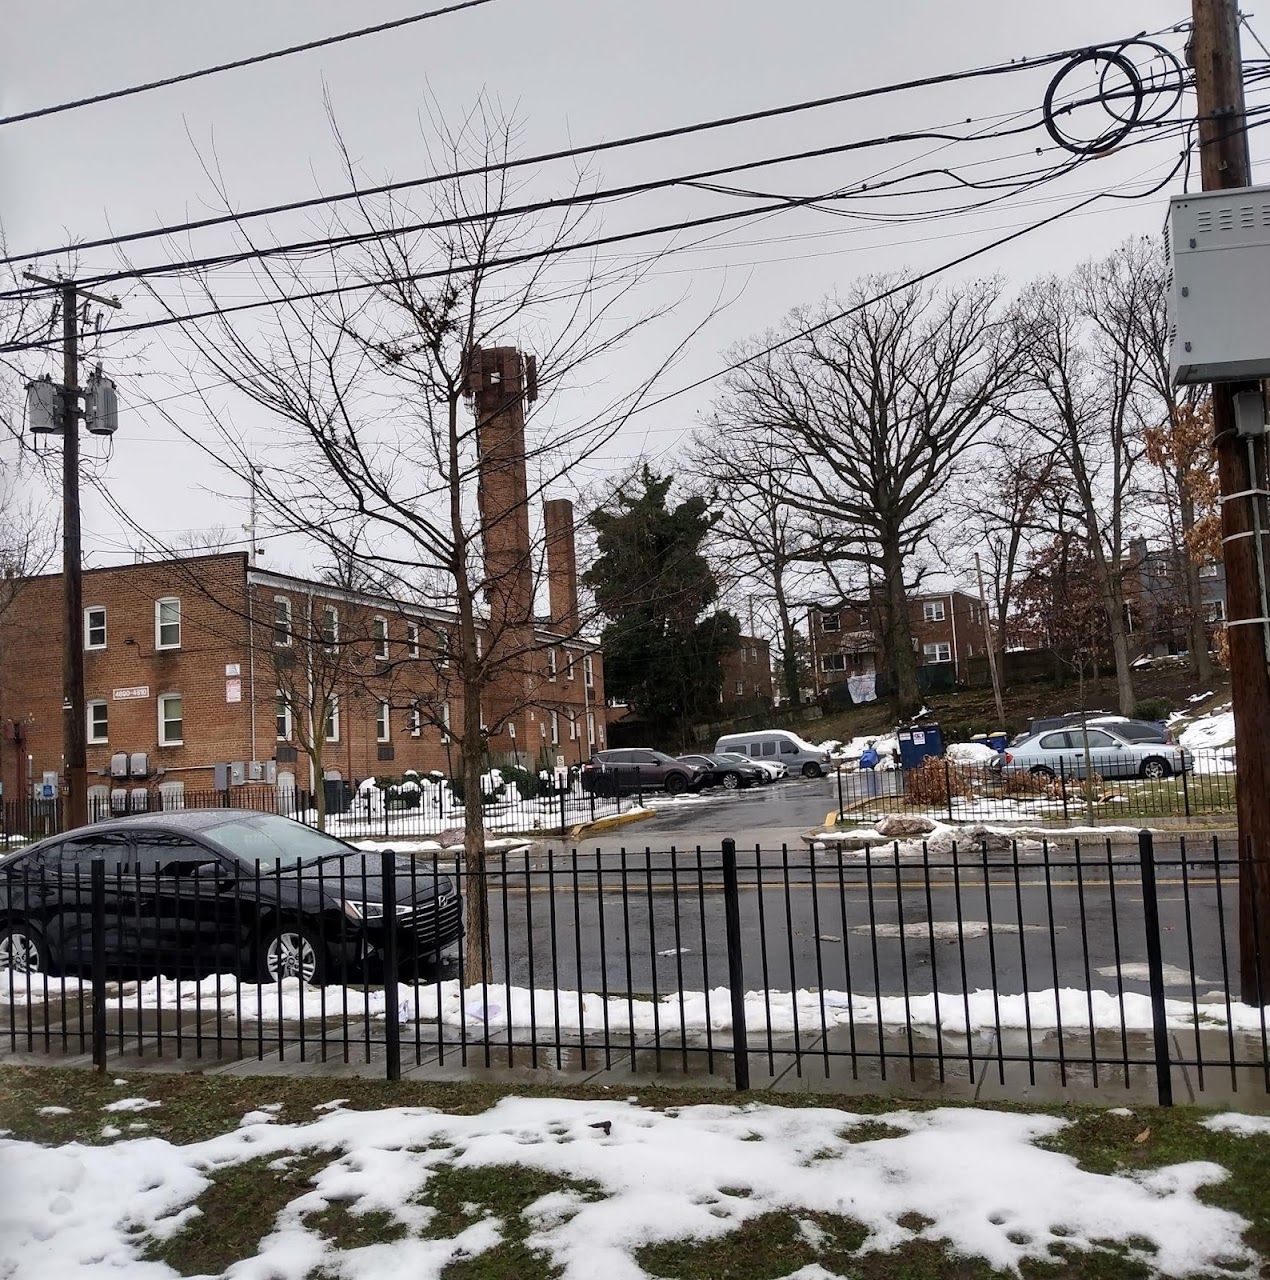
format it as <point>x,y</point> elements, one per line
<point>501,382</point>
<point>562,563</point>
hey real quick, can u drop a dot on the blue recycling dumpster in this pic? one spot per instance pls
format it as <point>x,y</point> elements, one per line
<point>998,740</point>
<point>917,742</point>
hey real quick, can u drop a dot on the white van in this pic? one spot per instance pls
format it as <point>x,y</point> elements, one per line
<point>779,746</point>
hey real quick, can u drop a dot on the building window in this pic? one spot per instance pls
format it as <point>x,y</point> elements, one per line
<point>590,727</point>
<point>740,688</point>
<point>551,664</point>
<point>753,654</point>
<point>1209,570</point>
<point>379,631</point>
<point>333,719</point>
<point>443,647</point>
<point>573,728</point>
<point>95,627</point>
<point>330,627</point>
<point>167,624</point>
<point>282,717</point>
<point>568,665</point>
<point>480,646</point>
<point>588,672</point>
<point>416,720</point>
<point>933,611</point>
<point>412,639</point>
<point>1214,610</point>
<point>833,662</point>
<point>941,652</point>
<point>555,727</point>
<point>383,724</point>
<point>97,721</point>
<point>829,622</point>
<point>281,622</point>
<point>445,722</point>
<point>171,720</point>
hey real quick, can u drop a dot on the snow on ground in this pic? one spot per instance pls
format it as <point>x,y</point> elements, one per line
<point>1211,731</point>
<point>497,1005</point>
<point>972,753</point>
<point>1243,1126</point>
<point>979,1181</point>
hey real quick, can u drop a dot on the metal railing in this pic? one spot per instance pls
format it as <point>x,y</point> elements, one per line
<point>1100,966</point>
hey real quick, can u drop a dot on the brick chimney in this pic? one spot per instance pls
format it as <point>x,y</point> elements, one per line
<point>500,382</point>
<point>562,563</point>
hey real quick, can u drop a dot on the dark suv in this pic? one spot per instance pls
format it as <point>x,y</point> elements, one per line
<point>218,889</point>
<point>630,770</point>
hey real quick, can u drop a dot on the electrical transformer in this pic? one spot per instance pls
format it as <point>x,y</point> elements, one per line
<point>1218,247</point>
<point>101,406</point>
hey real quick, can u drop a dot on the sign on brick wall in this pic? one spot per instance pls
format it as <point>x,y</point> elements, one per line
<point>126,695</point>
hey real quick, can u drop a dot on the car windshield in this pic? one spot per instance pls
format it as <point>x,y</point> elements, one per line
<point>273,841</point>
<point>731,757</point>
<point>1138,732</point>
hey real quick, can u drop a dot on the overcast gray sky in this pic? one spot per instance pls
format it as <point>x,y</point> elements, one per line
<point>572,71</point>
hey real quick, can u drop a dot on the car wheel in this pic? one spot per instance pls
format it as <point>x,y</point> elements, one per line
<point>1155,768</point>
<point>675,783</point>
<point>811,770</point>
<point>23,949</point>
<point>1041,771</point>
<point>731,781</point>
<point>290,951</point>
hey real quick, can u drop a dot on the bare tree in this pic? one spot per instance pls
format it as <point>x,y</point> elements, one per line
<point>411,438</point>
<point>874,402</point>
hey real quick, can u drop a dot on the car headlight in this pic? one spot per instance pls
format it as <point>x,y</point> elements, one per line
<point>371,910</point>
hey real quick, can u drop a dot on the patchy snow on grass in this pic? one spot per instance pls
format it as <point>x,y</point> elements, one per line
<point>132,1104</point>
<point>982,1186</point>
<point>1240,1125</point>
<point>1216,729</point>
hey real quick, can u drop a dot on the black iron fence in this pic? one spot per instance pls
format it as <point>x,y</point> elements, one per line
<point>1104,966</point>
<point>1122,786</point>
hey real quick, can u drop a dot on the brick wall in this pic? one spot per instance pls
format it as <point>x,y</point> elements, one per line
<point>747,673</point>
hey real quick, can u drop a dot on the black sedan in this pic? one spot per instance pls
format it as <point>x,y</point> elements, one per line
<point>213,889</point>
<point>716,771</point>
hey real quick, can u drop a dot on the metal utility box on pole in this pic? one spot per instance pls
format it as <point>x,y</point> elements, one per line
<point>1242,471</point>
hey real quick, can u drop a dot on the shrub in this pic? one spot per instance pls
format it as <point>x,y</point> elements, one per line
<point>932,782</point>
<point>1151,709</point>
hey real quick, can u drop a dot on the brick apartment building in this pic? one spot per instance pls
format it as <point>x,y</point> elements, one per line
<point>747,674</point>
<point>1155,599</point>
<point>207,661</point>
<point>947,630</point>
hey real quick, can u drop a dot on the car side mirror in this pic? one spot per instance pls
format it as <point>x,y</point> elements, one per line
<point>212,871</point>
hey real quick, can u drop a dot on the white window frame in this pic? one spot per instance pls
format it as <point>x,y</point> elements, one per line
<point>416,720</point>
<point>331,729</point>
<point>412,639</point>
<point>933,611</point>
<point>445,722</point>
<point>938,652</point>
<point>555,728</point>
<point>283,634</point>
<point>569,663</point>
<point>282,712</point>
<point>590,727</point>
<point>94,739</point>
<point>88,627</point>
<point>740,688</point>
<point>159,623</point>
<point>573,728</point>
<point>331,633</point>
<point>443,646</point>
<point>552,664</point>
<point>588,671</point>
<point>383,722</point>
<point>830,662</point>
<point>162,701</point>
<point>824,622</point>
<point>379,629</point>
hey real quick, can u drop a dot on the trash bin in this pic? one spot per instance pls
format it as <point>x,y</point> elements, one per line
<point>339,795</point>
<point>918,742</point>
<point>998,740</point>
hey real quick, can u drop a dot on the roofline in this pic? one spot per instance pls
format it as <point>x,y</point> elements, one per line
<point>143,564</point>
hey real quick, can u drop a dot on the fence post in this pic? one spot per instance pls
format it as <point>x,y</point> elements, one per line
<point>1155,969</point>
<point>1062,786</point>
<point>639,788</point>
<point>736,974</point>
<point>97,892</point>
<point>392,1024</point>
<point>1186,793</point>
<point>948,787</point>
<point>840,807</point>
<point>564,834</point>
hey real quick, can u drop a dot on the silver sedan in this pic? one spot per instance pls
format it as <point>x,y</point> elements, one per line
<point>1062,751</point>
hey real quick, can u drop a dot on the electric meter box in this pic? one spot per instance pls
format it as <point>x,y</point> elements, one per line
<point>1218,247</point>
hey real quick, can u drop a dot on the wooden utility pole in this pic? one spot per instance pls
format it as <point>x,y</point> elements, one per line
<point>991,647</point>
<point>1242,472</point>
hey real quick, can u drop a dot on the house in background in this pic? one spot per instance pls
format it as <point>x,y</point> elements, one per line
<point>747,675</point>
<point>1155,599</point>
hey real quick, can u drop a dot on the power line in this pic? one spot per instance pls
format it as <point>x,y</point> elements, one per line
<point>768,113</point>
<point>114,94</point>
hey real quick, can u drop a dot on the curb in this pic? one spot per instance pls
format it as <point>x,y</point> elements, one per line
<point>605,824</point>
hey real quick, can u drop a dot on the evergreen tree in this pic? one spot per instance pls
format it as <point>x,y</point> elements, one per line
<point>663,647</point>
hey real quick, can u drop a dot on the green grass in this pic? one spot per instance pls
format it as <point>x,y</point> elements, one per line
<point>241,1203</point>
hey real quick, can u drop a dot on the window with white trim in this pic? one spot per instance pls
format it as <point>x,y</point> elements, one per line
<point>445,722</point>
<point>330,626</point>
<point>833,662</point>
<point>1208,569</point>
<point>167,623</point>
<point>590,727</point>
<point>740,688</point>
<point>281,622</point>
<point>416,720</point>
<point>332,726</point>
<point>933,611</point>
<point>412,639</point>
<point>829,622</point>
<point>379,630</point>
<point>940,652</point>
<point>282,717</point>
<point>551,663</point>
<point>171,720</point>
<point>568,665</point>
<point>383,723</point>
<point>588,671</point>
<point>98,721</point>
<point>573,728</point>
<point>95,627</point>
<point>443,646</point>
<point>555,727</point>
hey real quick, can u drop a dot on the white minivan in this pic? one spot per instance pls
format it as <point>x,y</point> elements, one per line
<point>780,747</point>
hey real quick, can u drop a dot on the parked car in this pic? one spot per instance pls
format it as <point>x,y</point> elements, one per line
<point>1062,751</point>
<point>772,770</point>
<point>778,745</point>
<point>207,889</point>
<point>628,770</point>
<point>731,772</point>
<point>1135,730</point>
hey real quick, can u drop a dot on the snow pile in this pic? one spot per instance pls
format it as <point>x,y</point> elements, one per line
<point>1240,1125</point>
<point>975,1182</point>
<point>973,753</point>
<point>1216,729</point>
